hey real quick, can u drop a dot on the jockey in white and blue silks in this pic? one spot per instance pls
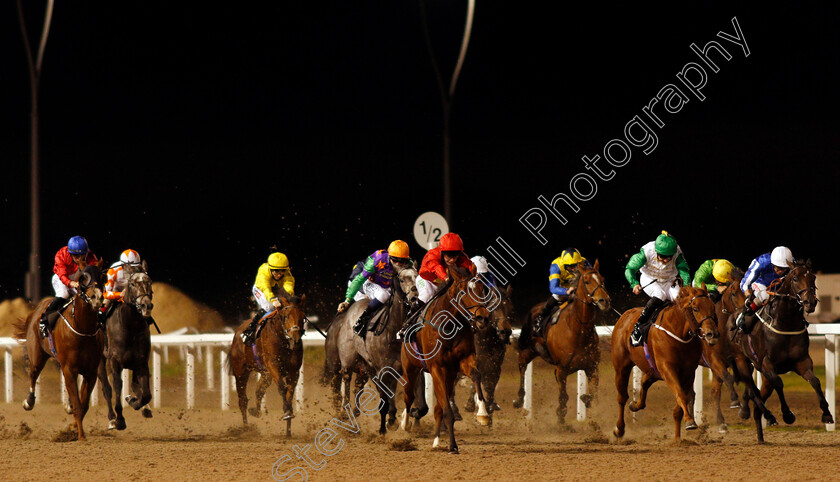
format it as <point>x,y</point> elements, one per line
<point>482,268</point>
<point>762,272</point>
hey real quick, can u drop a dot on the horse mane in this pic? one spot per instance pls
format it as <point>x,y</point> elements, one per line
<point>462,272</point>
<point>737,274</point>
<point>19,326</point>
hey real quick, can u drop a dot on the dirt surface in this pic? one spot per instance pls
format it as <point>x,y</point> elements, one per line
<point>208,443</point>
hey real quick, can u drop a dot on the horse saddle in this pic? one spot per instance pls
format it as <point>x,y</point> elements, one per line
<point>379,320</point>
<point>652,320</point>
<point>552,318</point>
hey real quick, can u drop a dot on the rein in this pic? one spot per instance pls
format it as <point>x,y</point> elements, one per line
<point>61,314</point>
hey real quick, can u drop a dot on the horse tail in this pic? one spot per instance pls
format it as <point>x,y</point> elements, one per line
<point>20,327</point>
<point>524,340</point>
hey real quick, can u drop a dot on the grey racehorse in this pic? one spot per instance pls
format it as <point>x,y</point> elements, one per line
<point>378,354</point>
<point>128,347</point>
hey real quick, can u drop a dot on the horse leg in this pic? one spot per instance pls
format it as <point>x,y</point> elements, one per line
<point>410,372</point>
<point>384,408</point>
<point>421,407</point>
<point>560,375</point>
<point>525,357</point>
<point>717,385</point>
<point>37,361</point>
<point>102,374</point>
<point>593,379</point>
<point>469,369</point>
<point>262,386</point>
<point>678,416</point>
<point>681,384</point>
<point>88,384</point>
<point>805,369</point>
<point>241,374</point>
<point>443,412</point>
<point>469,405</point>
<point>116,376</point>
<point>142,394</point>
<point>71,384</point>
<point>775,383</point>
<point>347,378</point>
<point>622,376</point>
<point>648,379</point>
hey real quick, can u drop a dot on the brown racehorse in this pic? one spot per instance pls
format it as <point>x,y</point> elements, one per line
<point>445,346</point>
<point>280,352</point>
<point>674,342</point>
<point>779,342</point>
<point>719,357</point>
<point>571,343</point>
<point>78,344</point>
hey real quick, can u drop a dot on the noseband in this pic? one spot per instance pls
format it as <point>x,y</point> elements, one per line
<point>699,323</point>
<point>590,300</point>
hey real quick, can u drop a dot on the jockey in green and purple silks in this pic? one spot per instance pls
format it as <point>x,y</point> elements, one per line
<point>374,282</point>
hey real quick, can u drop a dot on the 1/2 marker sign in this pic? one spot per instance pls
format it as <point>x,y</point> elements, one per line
<point>429,228</point>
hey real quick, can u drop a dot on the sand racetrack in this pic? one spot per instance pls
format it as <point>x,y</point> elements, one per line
<point>210,444</point>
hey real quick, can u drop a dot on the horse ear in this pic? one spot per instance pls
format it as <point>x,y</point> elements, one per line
<point>596,265</point>
<point>509,290</point>
<point>144,266</point>
<point>808,264</point>
<point>302,299</point>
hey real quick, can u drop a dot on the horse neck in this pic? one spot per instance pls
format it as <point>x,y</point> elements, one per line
<point>787,312</point>
<point>680,325</point>
<point>580,313</point>
<point>82,313</point>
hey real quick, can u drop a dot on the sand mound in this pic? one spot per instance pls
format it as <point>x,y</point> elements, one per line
<point>173,310</point>
<point>10,311</point>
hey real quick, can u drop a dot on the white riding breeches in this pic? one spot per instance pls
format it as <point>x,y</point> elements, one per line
<point>659,289</point>
<point>371,290</point>
<point>425,289</point>
<point>62,291</point>
<point>264,304</point>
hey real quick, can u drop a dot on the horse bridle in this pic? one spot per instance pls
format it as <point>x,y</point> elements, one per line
<point>590,300</point>
<point>140,295</point>
<point>699,333</point>
<point>287,331</point>
<point>795,296</point>
<point>471,307</point>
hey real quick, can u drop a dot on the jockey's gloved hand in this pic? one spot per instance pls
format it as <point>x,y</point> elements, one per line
<point>343,306</point>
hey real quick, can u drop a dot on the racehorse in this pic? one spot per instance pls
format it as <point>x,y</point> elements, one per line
<point>78,343</point>
<point>128,347</point>
<point>378,352</point>
<point>490,347</point>
<point>673,348</point>
<point>446,345</point>
<point>779,343</point>
<point>332,375</point>
<point>571,341</point>
<point>278,351</point>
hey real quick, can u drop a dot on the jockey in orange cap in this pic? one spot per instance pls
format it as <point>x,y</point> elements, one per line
<point>374,281</point>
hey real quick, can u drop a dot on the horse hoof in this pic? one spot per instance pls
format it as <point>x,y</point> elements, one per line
<point>634,407</point>
<point>517,403</point>
<point>120,424</point>
<point>456,417</point>
<point>146,412</point>
<point>356,412</point>
<point>254,412</point>
<point>692,425</point>
<point>483,420</point>
<point>827,418</point>
<point>29,403</point>
<point>68,409</point>
<point>587,400</point>
<point>744,413</point>
<point>470,405</point>
<point>288,416</point>
<point>771,420</point>
<point>495,406</point>
<point>405,423</point>
<point>735,404</point>
<point>618,432</point>
<point>723,428</point>
<point>789,417</point>
<point>436,443</point>
<point>454,451</point>
<point>112,425</point>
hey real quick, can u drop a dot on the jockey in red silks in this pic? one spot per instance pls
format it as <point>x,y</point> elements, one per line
<point>69,263</point>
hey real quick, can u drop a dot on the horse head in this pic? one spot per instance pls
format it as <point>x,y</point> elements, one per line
<point>405,286</point>
<point>502,314</point>
<point>291,320</point>
<point>138,291</point>
<point>732,297</point>
<point>89,289</point>
<point>470,295</point>
<point>801,283</point>
<point>590,286</point>
<point>700,313</point>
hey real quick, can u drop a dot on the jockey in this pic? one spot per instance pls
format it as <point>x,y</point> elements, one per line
<point>762,271</point>
<point>374,281</point>
<point>562,271</point>
<point>663,270</point>
<point>433,271</point>
<point>117,281</point>
<point>714,275</point>
<point>69,263</point>
<point>273,278</point>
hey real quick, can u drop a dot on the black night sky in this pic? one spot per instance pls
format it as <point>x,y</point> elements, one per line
<point>202,134</point>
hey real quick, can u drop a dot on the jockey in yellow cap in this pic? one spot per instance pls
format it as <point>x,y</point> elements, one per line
<point>561,273</point>
<point>714,275</point>
<point>274,281</point>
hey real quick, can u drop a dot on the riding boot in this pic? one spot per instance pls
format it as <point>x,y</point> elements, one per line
<point>416,306</point>
<point>650,307</point>
<point>360,327</point>
<point>746,321</point>
<point>549,305</point>
<point>247,336</point>
<point>43,323</point>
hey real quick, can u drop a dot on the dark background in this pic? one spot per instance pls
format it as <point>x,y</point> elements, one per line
<point>201,135</point>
